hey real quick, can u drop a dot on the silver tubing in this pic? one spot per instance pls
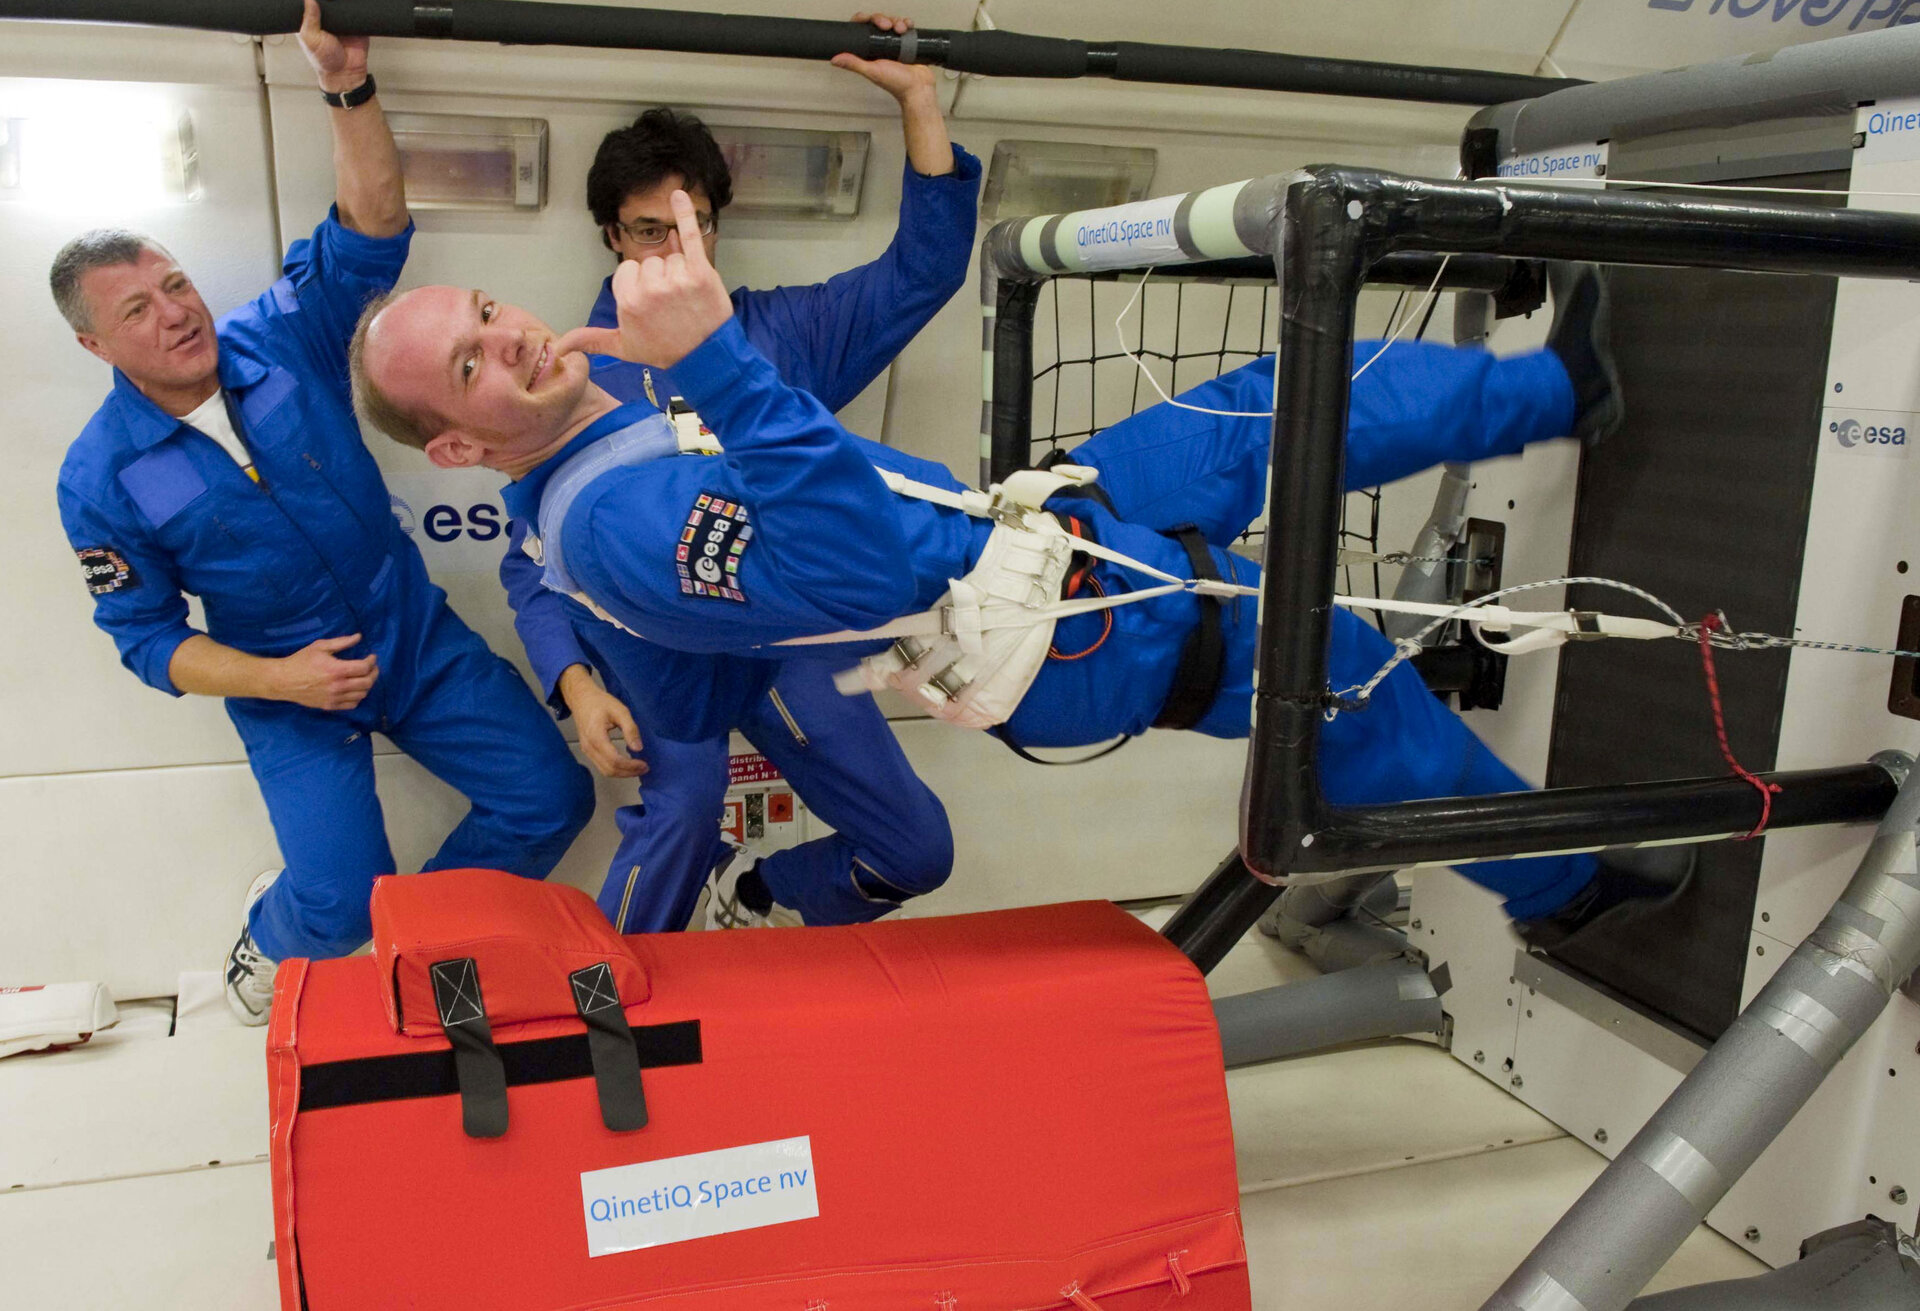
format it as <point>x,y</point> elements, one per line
<point>1744,1091</point>
<point>1426,578</point>
<point>1831,76</point>
<point>1385,1000</point>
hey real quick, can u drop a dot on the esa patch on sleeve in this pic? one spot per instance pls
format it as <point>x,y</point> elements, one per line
<point>711,547</point>
<point>106,570</point>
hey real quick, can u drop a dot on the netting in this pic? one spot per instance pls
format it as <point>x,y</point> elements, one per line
<point>1187,331</point>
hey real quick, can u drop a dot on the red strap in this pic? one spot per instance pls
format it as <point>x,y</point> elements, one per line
<point>1767,789</point>
<point>1073,1294</point>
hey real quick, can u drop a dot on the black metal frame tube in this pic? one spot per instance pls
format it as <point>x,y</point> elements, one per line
<point>1336,223</point>
<point>997,53</point>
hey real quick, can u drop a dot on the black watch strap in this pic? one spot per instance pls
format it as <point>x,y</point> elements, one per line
<point>360,95</point>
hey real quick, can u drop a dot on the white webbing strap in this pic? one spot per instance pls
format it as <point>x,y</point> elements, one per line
<point>934,623</point>
<point>1017,503</point>
<point>1551,628</point>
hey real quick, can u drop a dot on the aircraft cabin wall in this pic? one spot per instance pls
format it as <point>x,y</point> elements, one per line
<point>136,823</point>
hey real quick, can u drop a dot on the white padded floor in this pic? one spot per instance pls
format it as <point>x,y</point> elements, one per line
<point>1384,1176</point>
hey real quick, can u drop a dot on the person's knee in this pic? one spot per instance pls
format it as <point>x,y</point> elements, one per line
<point>573,802</point>
<point>920,858</point>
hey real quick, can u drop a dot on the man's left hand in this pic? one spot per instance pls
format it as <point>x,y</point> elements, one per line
<point>901,81</point>
<point>340,62</point>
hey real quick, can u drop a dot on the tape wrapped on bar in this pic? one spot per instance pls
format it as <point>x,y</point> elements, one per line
<point>1545,1293</point>
<point>1682,1165</point>
<point>1805,1023</point>
<point>1845,947</point>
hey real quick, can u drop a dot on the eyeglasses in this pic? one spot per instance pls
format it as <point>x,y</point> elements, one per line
<point>646,233</point>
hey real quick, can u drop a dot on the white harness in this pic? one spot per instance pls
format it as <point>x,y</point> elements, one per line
<point>971,658</point>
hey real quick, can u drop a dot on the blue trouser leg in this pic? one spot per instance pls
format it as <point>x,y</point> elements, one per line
<point>315,772</point>
<point>1420,404</point>
<point>671,840</point>
<point>1407,744</point>
<point>471,720</point>
<point>892,839</point>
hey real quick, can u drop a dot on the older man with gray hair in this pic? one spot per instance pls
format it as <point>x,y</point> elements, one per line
<point>227,463</point>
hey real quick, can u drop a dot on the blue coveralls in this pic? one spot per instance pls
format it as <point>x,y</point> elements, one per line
<point>831,339</point>
<point>831,548</point>
<point>155,508</point>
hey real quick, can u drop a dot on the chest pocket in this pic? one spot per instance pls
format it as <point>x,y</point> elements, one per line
<point>261,409</point>
<point>162,483</point>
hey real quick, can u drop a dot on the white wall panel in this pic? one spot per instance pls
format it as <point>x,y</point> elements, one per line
<point>1153,819</point>
<point>64,699</point>
<point>111,51</point>
<point>131,877</point>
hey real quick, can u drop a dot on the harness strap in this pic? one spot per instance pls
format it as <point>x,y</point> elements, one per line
<point>1203,659</point>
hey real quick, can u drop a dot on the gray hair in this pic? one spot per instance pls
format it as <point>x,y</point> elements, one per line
<point>98,249</point>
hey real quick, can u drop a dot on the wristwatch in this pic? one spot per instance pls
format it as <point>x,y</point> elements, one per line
<point>360,95</point>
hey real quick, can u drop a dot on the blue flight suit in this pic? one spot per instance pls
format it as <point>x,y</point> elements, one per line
<point>155,508</point>
<point>818,544</point>
<point>831,339</point>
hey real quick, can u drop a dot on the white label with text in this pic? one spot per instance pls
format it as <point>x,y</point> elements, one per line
<point>651,1203</point>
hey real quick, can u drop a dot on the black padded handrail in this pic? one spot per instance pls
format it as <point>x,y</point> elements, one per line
<point>996,53</point>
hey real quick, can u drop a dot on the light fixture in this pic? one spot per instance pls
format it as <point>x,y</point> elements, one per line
<point>472,161</point>
<point>1056,177</point>
<point>92,146</point>
<point>794,171</point>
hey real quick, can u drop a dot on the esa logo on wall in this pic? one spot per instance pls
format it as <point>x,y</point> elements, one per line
<point>447,523</point>
<point>1869,433</point>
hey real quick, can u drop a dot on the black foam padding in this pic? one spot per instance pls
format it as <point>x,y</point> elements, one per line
<point>1701,497</point>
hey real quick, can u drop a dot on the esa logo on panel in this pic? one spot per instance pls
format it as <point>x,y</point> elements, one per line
<point>444,523</point>
<point>1852,433</point>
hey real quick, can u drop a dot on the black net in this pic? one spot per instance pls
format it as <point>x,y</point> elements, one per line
<point>1185,332</point>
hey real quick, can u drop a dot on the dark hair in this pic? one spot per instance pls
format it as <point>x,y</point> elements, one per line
<point>658,145</point>
<point>98,249</point>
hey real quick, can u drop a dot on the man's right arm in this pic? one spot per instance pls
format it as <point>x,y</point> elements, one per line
<point>314,676</point>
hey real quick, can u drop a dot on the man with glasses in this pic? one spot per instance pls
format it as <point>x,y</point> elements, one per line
<point>831,339</point>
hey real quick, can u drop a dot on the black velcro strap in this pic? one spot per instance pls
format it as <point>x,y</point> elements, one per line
<point>476,1064</point>
<point>368,1079</point>
<point>1203,660</point>
<point>616,1065</point>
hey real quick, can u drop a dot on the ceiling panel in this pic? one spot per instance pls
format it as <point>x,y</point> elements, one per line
<point>1492,34</point>
<point>1615,38</point>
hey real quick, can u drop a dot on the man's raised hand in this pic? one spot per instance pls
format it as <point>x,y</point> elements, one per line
<point>667,304</point>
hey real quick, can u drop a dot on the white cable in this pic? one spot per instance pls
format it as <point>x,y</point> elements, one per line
<point>1120,336</point>
<point>1426,300</point>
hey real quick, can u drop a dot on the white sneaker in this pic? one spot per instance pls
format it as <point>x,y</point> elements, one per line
<point>249,978</point>
<point>724,910</point>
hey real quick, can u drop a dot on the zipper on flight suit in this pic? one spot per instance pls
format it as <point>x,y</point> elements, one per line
<point>793,725</point>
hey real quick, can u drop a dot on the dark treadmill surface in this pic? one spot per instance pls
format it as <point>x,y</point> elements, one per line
<point>1701,498</point>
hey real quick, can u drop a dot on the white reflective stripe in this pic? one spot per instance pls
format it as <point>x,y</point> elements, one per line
<point>1545,1293</point>
<point>1683,1165</point>
<point>1804,1022</point>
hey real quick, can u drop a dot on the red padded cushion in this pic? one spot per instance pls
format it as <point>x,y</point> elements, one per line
<point>525,937</point>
